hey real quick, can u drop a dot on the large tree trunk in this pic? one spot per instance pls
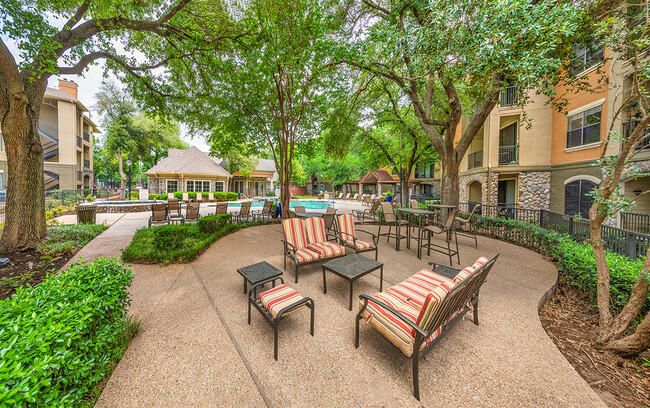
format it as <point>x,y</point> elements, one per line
<point>25,206</point>
<point>120,168</point>
<point>450,181</point>
<point>635,343</point>
<point>404,185</point>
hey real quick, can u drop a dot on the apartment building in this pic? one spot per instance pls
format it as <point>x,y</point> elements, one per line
<point>67,138</point>
<point>537,157</point>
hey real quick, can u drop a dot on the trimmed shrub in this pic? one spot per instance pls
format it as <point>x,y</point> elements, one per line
<point>211,223</point>
<point>135,195</point>
<point>63,238</point>
<point>63,337</point>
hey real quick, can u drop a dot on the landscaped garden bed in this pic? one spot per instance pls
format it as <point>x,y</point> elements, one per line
<point>32,266</point>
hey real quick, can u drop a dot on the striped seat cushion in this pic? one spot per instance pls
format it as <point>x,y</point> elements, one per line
<point>470,269</point>
<point>278,298</point>
<point>315,230</point>
<point>294,232</point>
<point>346,226</point>
<point>360,245</point>
<point>306,255</point>
<point>415,289</point>
<point>327,249</point>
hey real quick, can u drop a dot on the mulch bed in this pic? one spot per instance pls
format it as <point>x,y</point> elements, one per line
<point>571,321</point>
<point>27,268</point>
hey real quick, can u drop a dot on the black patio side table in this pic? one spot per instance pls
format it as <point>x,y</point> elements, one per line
<point>352,267</point>
<point>258,272</point>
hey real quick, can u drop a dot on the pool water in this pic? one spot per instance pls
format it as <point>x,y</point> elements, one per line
<point>308,204</point>
<point>133,202</point>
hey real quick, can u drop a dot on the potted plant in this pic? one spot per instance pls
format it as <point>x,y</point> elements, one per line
<point>389,196</point>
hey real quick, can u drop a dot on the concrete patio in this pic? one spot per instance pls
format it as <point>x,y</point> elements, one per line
<point>196,348</point>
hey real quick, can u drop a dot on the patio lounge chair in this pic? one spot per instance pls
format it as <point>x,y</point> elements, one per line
<point>330,222</point>
<point>186,197</point>
<point>199,197</point>
<point>354,198</point>
<point>465,227</point>
<point>244,212</point>
<point>414,203</point>
<point>347,197</point>
<point>447,231</point>
<point>192,212</point>
<point>159,214</point>
<point>415,314</point>
<point>173,207</point>
<point>348,236</point>
<point>222,208</point>
<point>211,197</point>
<point>388,218</point>
<point>369,212</point>
<point>265,212</point>
<point>306,242</point>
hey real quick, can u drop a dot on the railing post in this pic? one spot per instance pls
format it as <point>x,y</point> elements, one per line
<point>571,226</point>
<point>631,245</point>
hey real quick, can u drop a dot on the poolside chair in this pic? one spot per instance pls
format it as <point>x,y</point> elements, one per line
<point>448,233</point>
<point>192,212</point>
<point>265,212</point>
<point>186,197</point>
<point>199,197</point>
<point>347,197</point>
<point>222,208</point>
<point>414,203</point>
<point>356,195</point>
<point>369,212</point>
<point>330,222</point>
<point>388,218</point>
<point>415,314</point>
<point>159,214</point>
<point>306,242</point>
<point>348,236</point>
<point>211,197</point>
<point>173,207</point>
<point>299,209</point>
<point>465,227</point>
<point>244,212</point>
<point>331,210</point>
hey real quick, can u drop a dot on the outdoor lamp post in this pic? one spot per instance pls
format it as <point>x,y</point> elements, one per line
<point>393,166</point>
<point>319,182</point>
<point>128,163</point>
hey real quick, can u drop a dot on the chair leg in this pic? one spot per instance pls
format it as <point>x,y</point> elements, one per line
<point>296,272</point>
<point>451,262</point>
<point>416,379</point>
<point>249,311</point>
<point>356,335</point>
<point>390,227</point>
<point>428,243</point>
<point>275,341</point>
<point>476,312</point>
<point>475,241</point>
<point>457,252</point>
<point>311,331</point>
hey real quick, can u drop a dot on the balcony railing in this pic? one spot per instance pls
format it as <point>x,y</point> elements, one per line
<point>628,128</point>
<point>86,164</point>
<point>86,137</point>
<point>78,141</point>
<point>48,131</point>
<point>508,154</point>
<point>475,160</point>
<point>509,95</point>
<point>79,175</point>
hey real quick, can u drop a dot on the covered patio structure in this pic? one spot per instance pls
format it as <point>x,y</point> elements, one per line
<point>373,182</point>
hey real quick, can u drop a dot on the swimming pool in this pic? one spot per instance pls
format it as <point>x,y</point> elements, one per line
<point>308,204</point>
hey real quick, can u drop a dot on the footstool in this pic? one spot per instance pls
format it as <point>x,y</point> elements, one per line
<point>276,303</point>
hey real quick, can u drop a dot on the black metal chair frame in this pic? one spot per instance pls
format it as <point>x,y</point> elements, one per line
<point>253,299</point>
<point>265,212</point>
<point>238,216</point>
<point>467,291</point>
<point>370,212</point>
<point>471,232</point>
<point>450,234</point>
<point>290,251</point>
<point>152,221</point>
<point>344,242</point>
<point>397,234</point>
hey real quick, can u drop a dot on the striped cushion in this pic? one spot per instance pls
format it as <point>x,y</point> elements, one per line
<point>315,229</point>
<point>346,226</point>
<point>415,289</point>
<point>278,298</point>
<point>431,303</point>
<point>463,274</point>
<point>294,232</point>
<point>306,255</point>
<point>360,245</point>
<point>327,249</point>
<point>479,262</point>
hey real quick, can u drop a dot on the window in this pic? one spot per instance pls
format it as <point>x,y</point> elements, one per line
<point>172,186</point>
<point>576,198</point>
<point>198,185</point>
<point>584,128</point>
<point>218,186</point>
<point>585,57</point>
<point>239,186</point>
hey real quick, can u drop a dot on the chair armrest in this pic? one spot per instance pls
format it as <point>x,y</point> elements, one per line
<point>258,284</point>
<point>392,311</point>
<point>293,247</point>
<point>374,236</point>
<point>346,239</point>
<point>292,306</point>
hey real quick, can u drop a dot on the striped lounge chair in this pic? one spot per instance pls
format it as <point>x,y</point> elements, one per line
<point>348,237</point>
<point>416,313</point>
<point>305,242</point>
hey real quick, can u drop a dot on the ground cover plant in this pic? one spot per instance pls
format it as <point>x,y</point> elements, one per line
<point>180,243</point>
<point>62,338</point>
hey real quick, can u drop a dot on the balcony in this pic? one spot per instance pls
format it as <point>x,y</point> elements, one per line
<point>509,96</point>
<point>79,141</point>
<point>475,160</point>
<point>86,137</point>
<point>86,164</point>
<point>508,154</point>
<point>79,175</point>
<point>628,128</point>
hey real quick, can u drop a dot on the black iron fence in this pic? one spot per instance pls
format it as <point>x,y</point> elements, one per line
<point>621,241</point>
<point>508,154</point>
<point>475,159</point>
<point>509,95</point>
<point>635,222</point>
<point>628,128</point>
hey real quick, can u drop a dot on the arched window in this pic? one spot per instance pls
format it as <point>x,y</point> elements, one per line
<point>576,198</point>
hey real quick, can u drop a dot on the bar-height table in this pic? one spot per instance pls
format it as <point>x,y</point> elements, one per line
<point>421,215</point>
<point>445,209</point>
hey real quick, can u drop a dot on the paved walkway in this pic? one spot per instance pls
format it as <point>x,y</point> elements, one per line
<point>196,348</point>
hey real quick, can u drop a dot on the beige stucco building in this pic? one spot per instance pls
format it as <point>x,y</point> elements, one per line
<point>538,157</point>
<point>67,138</point>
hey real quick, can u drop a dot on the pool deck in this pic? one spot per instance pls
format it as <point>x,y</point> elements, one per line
<point>196,348</point>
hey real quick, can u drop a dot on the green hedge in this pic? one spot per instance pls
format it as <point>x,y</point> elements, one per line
<point>218,195</point>
<point>180,243</point>
<point>61,338</point>
<point>158,197</point>
<point>575,260</point>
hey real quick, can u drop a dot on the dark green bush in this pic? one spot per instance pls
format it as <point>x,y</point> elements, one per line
<point>211,223</point>
<point>61,338</point>
<point>87,192</point>
<point>135,195</point>
<point>575,260</point>
<point>218,195</point>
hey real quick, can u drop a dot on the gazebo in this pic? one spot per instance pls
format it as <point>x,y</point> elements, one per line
<point>372,182</point>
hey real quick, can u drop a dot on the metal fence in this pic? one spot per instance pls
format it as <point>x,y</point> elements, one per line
<point>635,222</point>
<point>621,241</point>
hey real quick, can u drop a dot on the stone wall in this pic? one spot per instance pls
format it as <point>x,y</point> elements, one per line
<point>535,190</point>
<point>464,183</point>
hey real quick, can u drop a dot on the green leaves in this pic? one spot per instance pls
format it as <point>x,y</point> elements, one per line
<point>61,338</point>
